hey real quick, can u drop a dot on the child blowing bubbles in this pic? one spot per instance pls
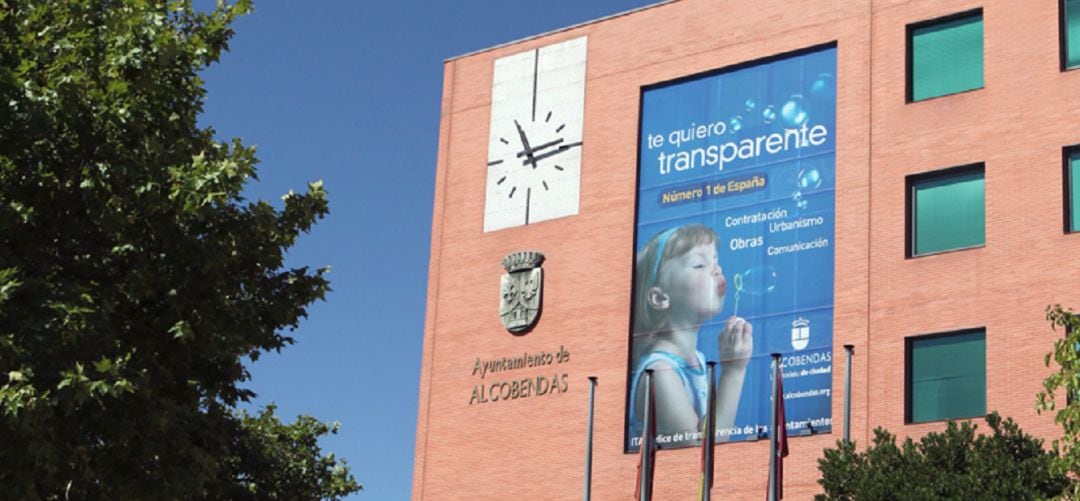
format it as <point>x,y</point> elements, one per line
<point>680,286</point>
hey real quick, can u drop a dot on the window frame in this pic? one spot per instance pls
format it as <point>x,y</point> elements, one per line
<point>1066,177</point>
<point>910,183</point>
<point>1069,397</point>
<point>909,343</point>
<point>909,59</point>
<point>1063,40</point>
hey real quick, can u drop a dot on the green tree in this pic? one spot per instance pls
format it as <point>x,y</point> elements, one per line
<point>1066,380</point>
<point>954,464</point>
<point>134,277</point>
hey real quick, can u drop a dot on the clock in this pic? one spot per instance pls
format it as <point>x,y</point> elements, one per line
<point>534,143</point>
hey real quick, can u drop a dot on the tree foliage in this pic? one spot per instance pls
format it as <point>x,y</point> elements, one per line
<point>134,277</point>
<point>1065,380</point>
<point>955,464</point>
<point>272,460</point>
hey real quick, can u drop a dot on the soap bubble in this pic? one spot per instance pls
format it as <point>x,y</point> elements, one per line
<point>735,123</point>
<point>824,87</point>
<point>809,179</point>
<point>794,111</point>
<point>800,201</point>
<point>750,105</point>
<point>768,114</point>
<point>756,281</point>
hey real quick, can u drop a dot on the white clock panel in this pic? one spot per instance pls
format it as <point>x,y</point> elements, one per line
<point>534,148</point>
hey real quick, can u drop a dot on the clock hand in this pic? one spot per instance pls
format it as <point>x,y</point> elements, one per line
<point>539,147</point>
<point>521,134</point>
<point>556,151</point>
<point>525,142</point>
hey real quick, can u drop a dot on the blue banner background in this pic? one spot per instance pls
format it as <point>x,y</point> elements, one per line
<point>797,92</point>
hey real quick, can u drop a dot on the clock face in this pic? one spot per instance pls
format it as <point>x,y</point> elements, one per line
<point>534,148</point>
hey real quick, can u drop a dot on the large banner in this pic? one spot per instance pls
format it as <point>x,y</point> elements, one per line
<point>734,253</point>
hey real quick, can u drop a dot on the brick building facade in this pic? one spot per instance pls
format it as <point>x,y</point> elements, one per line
<point>1016,126</point>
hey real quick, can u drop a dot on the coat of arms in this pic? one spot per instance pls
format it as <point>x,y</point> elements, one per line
<point>520,290</point>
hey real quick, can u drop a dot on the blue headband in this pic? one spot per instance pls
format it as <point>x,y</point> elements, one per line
<point>661,245</point>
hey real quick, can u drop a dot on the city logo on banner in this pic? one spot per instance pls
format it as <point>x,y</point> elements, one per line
<point>800,333</point>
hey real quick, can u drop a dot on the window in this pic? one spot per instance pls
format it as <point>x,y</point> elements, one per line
<point>946,376</point>
<point>945,56</point>
<point>1070,34</point>
<point>1072,189</point>
<point>946,210</point>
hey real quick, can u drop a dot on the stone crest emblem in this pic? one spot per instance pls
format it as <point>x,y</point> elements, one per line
<point>520,291</point>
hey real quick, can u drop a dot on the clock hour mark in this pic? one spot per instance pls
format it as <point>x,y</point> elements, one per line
<point>494,162</point>
<point>503,140</point>
<point>536,68</point>
<point>560,128</point>
<point>512,190</point>
<point>500,181</point>
<point>545,185</point>
<point>547,118</point>
<point>528,195</point>
<point>558,167</point>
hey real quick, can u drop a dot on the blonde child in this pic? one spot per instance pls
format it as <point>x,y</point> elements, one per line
<point>680,286</point>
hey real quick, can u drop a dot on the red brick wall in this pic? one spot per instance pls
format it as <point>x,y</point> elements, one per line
<point>533,448</point>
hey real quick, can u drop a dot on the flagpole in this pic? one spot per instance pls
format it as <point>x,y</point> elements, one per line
<point>773,435</point>
<point>850,349</point>
<point>709,437</point>
<point>589,440</point>
<point>646,441</point>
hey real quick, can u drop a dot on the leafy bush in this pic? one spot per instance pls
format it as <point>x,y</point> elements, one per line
<point>955,464</point>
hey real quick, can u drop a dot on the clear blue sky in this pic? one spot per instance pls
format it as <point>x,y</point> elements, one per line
<point>348,92</point>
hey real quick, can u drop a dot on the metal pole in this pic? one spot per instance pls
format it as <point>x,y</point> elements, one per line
<point>589,440</point>
<point>772,430</point>
<point>647,442</point>
<point>850,349</point>
<point>710,434</point>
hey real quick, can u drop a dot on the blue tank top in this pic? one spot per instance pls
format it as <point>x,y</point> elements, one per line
<point>693,379</point>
